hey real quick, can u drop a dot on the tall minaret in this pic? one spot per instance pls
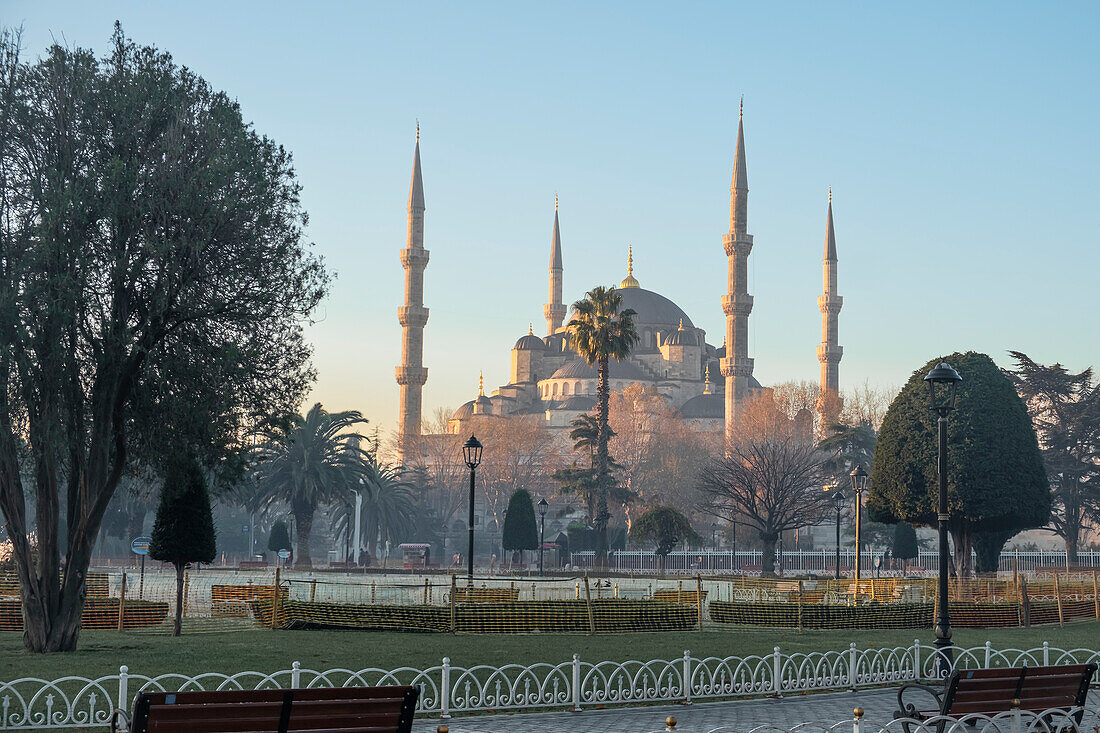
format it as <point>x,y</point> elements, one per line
<point>829,303</point>
<point>411,374</point>
<point>554,310</point>
<point>737,303</point>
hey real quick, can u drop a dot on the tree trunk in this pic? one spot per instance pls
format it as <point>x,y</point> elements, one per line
<point>603,398</point>
<point>767,561</point>
<point>177,626</point>
<point>961,538</point>
<point>303,520</point>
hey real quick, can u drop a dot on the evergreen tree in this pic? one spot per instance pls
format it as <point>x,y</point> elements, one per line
<point>279,539</point>
<point>520,531</point>
<point>183,531</point>
<point>996,481</point>
<point>905,541</point>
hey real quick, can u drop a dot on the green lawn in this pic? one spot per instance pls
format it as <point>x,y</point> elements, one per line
<point>101,652</point>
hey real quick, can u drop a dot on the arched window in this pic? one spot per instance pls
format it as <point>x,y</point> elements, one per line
<point>565,388</point>
<point>555,389</point>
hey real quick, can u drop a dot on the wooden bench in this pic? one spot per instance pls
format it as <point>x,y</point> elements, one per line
<point>993,691</point>
<point>359,709</point>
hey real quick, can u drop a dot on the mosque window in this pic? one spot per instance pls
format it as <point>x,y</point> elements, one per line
<point>555,389</point>
<point>565,388</point>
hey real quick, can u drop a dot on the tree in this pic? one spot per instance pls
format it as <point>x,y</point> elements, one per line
<point>279,538</point>
<point>388,512</point>
<point>995,473</point>
<point>580,481</point>
<point>153,285</point>
<point>770,478</point>
<point>310,460</point>
<point>183,531</point>
<point>600,332</point>
<point>665,527</point>
<point>905,541</point>
<point>1065,410</point>
<point>520,530</point>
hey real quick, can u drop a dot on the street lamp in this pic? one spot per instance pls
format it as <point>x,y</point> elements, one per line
<point>859,483</point>
<point>838,501</point>
<point>943,384</point>
<point>471,454</point>
<point>542,529</point>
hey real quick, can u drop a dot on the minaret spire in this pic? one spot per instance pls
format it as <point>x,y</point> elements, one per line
<point>737,303</point>
<point>411,374</point>
<point>829,353</point>
<point>554,310</point>
<point>629,281</point>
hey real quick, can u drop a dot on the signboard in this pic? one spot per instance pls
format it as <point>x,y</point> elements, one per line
<point>284,554</point>
<point>244,528</point>
<point>140,545</point>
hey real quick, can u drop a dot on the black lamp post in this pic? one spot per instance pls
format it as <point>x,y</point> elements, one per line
<point>838,502</point>
<point>542,530</point>
<point>471,453</point>
<point>943,383</point>
<point>859,483</point>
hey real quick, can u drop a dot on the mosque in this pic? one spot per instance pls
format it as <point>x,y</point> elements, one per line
<point>705,383</point>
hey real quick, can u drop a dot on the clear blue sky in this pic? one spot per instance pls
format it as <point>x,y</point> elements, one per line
<point>960,140</point>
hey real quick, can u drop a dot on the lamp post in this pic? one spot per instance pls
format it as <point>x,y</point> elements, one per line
<point>943,383</point>
<point>838,502</point>
<point>859,483</point>
<point>471,454</point>
<point>543,506</point>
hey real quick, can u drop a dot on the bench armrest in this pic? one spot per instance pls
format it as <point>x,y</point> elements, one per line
<point>115,715</point>
<point>910,710</point>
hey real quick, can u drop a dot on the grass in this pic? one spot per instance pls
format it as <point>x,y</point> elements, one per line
<point>101,652</point>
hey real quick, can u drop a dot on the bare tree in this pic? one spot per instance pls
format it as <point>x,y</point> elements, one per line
<point>770,478</point>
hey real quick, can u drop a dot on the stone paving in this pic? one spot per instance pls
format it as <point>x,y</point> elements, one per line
<point>784,712</point>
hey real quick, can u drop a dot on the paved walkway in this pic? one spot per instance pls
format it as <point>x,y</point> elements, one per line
<point>784,712</point>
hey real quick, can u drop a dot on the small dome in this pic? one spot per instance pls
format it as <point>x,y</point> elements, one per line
<point>704,406</point>
<point>578,403</point>
<point>483,405</point>
<point>581,369</point>
<point>464,412</point>
<point>530,342</point>
<point>681,337</point>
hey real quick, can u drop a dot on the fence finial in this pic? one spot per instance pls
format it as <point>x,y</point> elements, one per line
<point>858,712</point>
<point>670,722</point>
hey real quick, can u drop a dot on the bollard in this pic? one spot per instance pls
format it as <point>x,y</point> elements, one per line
<point>445,689</point>
<point>576,683</point>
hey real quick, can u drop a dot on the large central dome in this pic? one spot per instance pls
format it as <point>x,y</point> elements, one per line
<point>653,309</point>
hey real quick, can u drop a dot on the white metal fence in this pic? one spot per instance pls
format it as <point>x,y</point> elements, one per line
<point>821,561</point>
<point>79,702</point>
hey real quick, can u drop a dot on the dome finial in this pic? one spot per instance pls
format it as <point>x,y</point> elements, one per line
<point>706,380</point>
<point>629,281</point>
<point>530,329</point>
<point>480,384</point>
<point>681,328</point>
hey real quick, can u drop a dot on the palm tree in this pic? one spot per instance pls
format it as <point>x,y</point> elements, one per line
<point>389,507</point>
<point>600,332</point>
<point>309,461</point>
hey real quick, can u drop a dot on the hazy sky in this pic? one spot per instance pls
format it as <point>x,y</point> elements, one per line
<point>960,140</point>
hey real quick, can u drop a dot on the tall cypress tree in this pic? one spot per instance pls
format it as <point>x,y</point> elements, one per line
<point>183,531</point>
<point>520,531</point>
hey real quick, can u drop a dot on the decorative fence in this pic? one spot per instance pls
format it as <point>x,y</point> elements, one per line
<point>78,702</point>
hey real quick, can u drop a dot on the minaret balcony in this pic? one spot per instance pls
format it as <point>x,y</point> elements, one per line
<point>737,243</point>
<point>414,257</point>
<point>738,304</point>
<point>412,315</point>
<point>829,353</point>
<point>829,303</point>
<point>736,366</point>
<point>415,376</point>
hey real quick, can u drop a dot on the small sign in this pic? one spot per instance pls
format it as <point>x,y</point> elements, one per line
<point>140,545</point>
<point>244,528</point>
<point>284,554</point>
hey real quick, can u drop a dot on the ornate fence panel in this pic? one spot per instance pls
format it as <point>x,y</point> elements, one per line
<point>78,702</point>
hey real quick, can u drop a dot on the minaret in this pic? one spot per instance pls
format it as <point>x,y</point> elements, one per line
<point>554,310</point>
<point>829,303</point>
<point>411,374</point>
<point>737,303</point>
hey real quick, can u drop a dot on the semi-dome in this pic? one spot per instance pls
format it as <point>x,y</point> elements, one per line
<point>653,308</point>
<point>581,369</point>
<point>704,406</point>
<point>464,412</point>
<point>578,403</point>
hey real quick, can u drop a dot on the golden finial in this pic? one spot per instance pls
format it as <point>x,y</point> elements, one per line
<point>830,195</point>
<point>555,201</point>
<point>629,281</point>
<point>480,384</point>
<point>418,132</point>
<point>741,114</point>
<point>530,329</point>
<point>681,328</point>
<point>706,380</point>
